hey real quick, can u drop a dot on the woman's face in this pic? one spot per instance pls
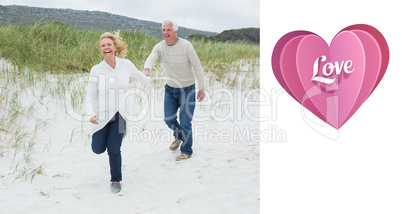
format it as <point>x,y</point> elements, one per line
<point>107,48</point>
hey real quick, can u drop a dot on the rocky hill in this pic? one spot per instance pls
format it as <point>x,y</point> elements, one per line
<point>250,35</point>
<point>246,34</point>
<point>80,19</point>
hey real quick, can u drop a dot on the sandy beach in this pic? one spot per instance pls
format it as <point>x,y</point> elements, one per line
<point>53,169</point>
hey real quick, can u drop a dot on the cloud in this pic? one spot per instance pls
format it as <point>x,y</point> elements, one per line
<point>209,15</point>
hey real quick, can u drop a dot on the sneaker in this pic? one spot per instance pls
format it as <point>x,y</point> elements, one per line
<point>182,156</point>
<point>175,144</point>
<point>115,187</point>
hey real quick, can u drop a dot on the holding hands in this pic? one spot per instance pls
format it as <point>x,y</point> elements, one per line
<point>146,72</point>
<point>94,120</point>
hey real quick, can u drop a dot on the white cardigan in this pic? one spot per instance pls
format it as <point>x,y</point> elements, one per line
<point>107,90</point>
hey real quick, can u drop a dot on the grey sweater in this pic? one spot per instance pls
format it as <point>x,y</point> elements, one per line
<point>179,61</point>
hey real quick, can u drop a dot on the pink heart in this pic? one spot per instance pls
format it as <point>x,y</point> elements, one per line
<point>358,56</point>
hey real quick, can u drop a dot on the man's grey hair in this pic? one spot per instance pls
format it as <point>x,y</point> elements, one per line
<point>174,24</point>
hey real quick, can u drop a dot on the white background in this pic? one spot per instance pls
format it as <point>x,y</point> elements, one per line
<point>361,170</point>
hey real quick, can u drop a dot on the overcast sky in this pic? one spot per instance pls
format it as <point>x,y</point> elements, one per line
<point>208,15</point>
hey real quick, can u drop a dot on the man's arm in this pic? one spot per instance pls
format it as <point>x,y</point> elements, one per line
<point>151,60</point>
<point>199,72</point>
<point>200,95</point>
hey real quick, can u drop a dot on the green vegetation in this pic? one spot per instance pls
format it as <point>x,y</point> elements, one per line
<point>42,67</point>
<point>43,63</point>
<point>55,48</point>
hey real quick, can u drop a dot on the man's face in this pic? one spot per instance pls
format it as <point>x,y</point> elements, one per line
<point>169,35</point>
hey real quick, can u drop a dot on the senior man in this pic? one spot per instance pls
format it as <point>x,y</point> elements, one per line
<point>181,66</point>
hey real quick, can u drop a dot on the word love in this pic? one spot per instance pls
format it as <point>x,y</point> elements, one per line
<point>356,59</point>
<point>328,69</point>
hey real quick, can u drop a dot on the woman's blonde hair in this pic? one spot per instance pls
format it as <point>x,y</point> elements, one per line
<point>117,41</point>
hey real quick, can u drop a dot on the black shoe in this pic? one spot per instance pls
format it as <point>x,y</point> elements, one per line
<point>115,187</point>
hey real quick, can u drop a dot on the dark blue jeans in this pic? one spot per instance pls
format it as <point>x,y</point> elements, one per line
<point>183,99</point>
<point>110,138</point>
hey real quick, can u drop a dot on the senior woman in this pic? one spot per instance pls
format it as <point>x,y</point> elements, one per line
<point>105,102</point>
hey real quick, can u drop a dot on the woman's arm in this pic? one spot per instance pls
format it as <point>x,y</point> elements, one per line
<point>139,75</point>
<point>90,99</point>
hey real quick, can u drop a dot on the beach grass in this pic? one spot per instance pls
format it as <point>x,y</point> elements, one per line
<point>43,60</point>
<point>55,48</point>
